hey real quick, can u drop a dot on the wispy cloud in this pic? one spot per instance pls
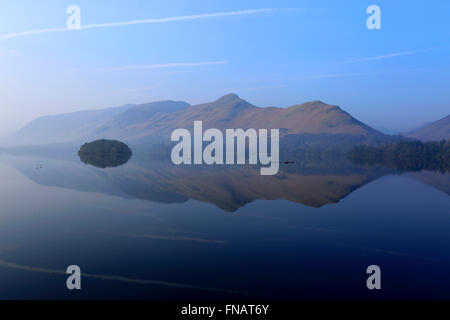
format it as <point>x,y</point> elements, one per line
<point>168,65</point>
<point>383,56</point>
<point>389,55</point>
<point>147,21</point>
<point>331,75</point>
<point>316,76</point>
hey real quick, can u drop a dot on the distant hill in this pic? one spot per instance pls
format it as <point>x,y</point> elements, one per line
<point>142,124</point>
<point>137,120</point>
<point>230,111</point>
<point>385,130</point>
<point>437,130</point>
<point>62,128</point>
<point>87,125</point>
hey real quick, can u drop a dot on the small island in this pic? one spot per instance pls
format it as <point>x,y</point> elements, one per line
<point>105,153</point>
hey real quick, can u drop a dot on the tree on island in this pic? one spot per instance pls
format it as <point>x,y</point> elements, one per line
<point>105,153</point>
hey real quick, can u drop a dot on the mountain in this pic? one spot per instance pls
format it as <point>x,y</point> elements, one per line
<point>82,126</point>
<point>64,127</point>
<point>437,130</point>
<point>230,111</point>
<point>385,130</point>
<point>147,123</point>
<point>134,121</point>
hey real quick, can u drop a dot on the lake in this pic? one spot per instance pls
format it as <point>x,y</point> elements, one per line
<point>152,230</point>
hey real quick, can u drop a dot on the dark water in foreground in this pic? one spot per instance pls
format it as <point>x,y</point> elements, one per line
<point>156,231</point>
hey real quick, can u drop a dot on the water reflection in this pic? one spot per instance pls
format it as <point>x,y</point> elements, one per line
<point>313,184</point>
<point>133,249</point>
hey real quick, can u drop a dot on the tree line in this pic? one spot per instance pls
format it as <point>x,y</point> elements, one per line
<point>405,155</point>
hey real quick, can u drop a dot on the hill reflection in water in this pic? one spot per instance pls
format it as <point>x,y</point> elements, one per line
<point>312,183</point>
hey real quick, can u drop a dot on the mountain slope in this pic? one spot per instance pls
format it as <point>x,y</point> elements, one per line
<point>154,122</point>
<point>134,121</point>
<point>82,126</point>
<point>437,130</point>
<point>64,127</point>
<point>231,111</point>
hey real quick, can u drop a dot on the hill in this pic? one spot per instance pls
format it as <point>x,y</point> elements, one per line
<point>62,128</point>
<point>137,120</point>
<point>154,122</point>
<point>437,130</point>
<point>230,111</point>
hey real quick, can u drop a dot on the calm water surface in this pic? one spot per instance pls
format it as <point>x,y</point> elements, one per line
<point>151,230</point>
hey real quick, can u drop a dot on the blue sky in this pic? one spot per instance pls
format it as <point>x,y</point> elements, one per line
<point>397,77</point>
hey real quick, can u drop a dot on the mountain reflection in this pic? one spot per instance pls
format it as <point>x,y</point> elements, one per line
<point>313,184</point>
